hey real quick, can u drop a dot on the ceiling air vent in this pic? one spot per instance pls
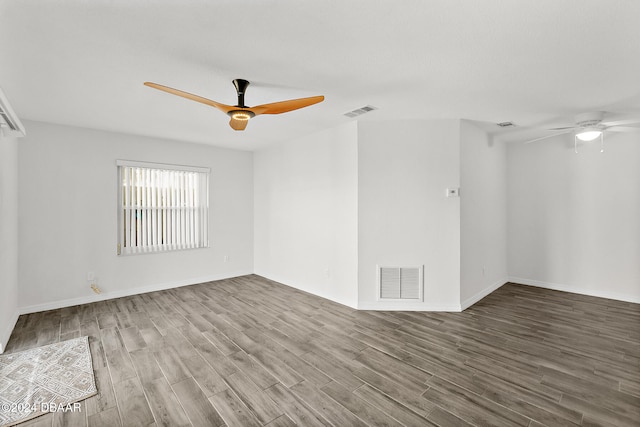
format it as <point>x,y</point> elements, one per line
<point>360,111</point>
<point>9,122</point>
<point>506,124</point>
<point>400,283</point>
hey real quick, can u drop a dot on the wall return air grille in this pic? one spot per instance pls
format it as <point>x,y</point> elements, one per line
<point>400,283</point>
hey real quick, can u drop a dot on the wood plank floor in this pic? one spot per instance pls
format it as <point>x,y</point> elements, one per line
<point>251,352</point>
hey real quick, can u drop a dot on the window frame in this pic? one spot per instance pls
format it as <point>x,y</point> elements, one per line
<point>204,216</point>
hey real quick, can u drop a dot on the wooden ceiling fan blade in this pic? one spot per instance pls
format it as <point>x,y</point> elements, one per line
<point>222,107</point>
<point>238,124</point>
<point>286,106</point>
<point>548,136</point>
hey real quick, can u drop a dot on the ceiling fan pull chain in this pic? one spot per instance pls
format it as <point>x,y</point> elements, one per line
<point>602,142</point>
<point>575,143</point>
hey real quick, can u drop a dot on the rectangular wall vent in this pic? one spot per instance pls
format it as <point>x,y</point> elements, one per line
<point>400,283</point>
<point>360,111</point>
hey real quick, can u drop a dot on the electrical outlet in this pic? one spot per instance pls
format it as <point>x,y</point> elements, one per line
<point>226,258</point>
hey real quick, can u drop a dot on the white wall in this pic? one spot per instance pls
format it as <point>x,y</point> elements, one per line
<point>404,218</point>
<point>67,208</point>
<point>306,213</point>
<point>483,214</point>
<point>8,237</point>
<point>574,219</point>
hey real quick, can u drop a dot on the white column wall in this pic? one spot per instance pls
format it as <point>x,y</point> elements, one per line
<point>404,217</point>
<point>483,214</point>
<point>306,194</point>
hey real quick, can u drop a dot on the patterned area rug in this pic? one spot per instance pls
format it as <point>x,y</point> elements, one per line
<point>45,379</point>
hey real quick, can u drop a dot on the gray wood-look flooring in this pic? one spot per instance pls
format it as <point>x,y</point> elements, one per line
<point>251,352</point>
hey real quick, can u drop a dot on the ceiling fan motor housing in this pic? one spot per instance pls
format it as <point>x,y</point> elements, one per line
<point>588,120</point>
<point>241,86</point>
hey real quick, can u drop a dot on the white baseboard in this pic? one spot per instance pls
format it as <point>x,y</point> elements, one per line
<point>6,334</point>
<point>128,292</point>
<point>405,306</point>
<point>374,306</point>
<point>576,290</point>
<point>318,294</point>
<point>483,293</point>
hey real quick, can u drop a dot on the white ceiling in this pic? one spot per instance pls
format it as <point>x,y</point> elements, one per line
<point>535,62</point>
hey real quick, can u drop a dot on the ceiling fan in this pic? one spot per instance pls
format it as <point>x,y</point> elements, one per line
<point>590,126</point>
<point>240,114</point>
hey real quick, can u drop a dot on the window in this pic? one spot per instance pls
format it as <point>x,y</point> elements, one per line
<point>162,207</point>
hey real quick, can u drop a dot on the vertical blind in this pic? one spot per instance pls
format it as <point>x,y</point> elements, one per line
<point>162,207</point>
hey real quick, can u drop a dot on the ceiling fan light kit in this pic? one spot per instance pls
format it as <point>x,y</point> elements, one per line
<point>240,113</point>
<point>588,134</point>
